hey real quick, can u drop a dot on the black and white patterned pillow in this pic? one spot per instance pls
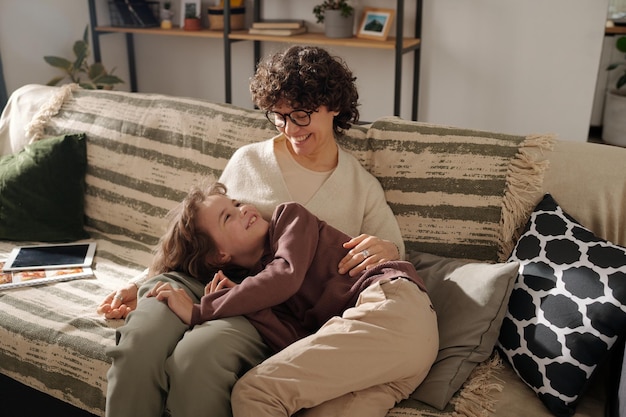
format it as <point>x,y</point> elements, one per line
<point>567,308</point>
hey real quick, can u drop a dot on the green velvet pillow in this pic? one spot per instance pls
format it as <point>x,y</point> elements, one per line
<point>42,191</point>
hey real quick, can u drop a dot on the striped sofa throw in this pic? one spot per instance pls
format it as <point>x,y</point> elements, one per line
<point>144,153</point>
<point>456,193</point>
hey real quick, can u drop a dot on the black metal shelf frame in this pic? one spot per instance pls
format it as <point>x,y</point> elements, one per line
<point>228,41</point>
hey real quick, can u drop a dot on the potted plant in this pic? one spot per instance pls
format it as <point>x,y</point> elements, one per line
<point>92,77</point>
<point>614,119</point>
<point>192,19</point>
<point>166,15</point>
<point>337,16</point>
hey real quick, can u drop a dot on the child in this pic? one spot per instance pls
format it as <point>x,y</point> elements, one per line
<point>349,346</point>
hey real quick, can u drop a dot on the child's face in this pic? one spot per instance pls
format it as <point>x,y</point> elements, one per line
<point>238,229</point>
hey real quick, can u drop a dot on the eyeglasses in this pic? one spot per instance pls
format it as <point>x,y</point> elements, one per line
<point>297,117</point>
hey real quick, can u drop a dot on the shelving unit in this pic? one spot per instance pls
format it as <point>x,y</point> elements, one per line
<point>615,30</point>
<point>398,44</point>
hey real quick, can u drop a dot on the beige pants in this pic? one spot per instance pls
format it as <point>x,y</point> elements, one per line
<point>358,365</point>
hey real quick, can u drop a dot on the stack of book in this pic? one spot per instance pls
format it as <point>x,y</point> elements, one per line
<point>278,27</point>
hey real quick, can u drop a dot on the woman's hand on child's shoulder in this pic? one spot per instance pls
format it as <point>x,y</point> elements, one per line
<point>365,252</point>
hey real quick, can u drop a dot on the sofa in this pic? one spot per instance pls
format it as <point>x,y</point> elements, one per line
<point>496,224</point>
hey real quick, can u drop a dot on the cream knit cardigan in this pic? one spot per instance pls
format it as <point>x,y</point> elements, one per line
<point>351,199</point>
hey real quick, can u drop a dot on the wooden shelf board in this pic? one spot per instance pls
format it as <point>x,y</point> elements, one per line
<point>321,39</point>
<point>175,31</point>
<point>307,38</point>
<point>615,30</point>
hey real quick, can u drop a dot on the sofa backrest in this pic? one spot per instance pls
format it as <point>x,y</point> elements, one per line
<point>455,192</point>
<point>146,151</point>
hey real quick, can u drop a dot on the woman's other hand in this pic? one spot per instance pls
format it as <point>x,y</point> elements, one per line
<point>119,303</point>
<point>366,251</point>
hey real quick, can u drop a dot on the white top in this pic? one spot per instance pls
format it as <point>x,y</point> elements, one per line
<point>351,199</point>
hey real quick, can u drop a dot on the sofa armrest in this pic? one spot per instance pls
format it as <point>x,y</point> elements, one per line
<point>22,106</point>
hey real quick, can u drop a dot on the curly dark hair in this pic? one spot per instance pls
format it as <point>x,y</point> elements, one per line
<point>307,77</point>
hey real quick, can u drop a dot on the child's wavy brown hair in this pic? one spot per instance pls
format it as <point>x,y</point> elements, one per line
<point>184,248</point>
<point>307,77</point>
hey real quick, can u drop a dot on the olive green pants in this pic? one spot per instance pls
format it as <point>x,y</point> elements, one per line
<point>160,363</point>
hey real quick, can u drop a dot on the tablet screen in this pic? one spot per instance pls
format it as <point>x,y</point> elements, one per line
<point>50,256</point>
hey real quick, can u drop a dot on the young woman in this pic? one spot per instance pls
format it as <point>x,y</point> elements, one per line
<point>310,96</point>
<point>358,344</point>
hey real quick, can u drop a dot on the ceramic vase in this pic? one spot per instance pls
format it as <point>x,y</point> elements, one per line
<point>336,25</point>
<point>192,24</point>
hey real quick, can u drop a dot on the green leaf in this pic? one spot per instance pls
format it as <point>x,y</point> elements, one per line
<point>58,62</point>
<point>96,70</point>
<point>621,44</point>
<point>110,80</point>
<point>81,50</point>
<point>621,81</point>
<point>85,35</point>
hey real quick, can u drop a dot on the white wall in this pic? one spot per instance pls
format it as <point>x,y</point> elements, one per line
<point>507,65</point>
<point>514,66</point>
<point>31,29</point>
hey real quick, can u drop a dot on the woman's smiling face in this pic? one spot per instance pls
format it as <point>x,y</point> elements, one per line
<point>306,141</point>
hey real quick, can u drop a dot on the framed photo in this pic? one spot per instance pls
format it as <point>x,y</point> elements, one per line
<point>189,6</point>
<point>375,23</point>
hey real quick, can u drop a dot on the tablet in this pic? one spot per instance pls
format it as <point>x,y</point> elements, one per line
<point>50,256</point>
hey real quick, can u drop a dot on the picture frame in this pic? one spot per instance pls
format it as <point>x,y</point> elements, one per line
<point>186,4</point>
<point>375,23</point>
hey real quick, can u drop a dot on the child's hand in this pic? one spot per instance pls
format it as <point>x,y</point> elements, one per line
<point>177,300</point>
<point>218,282</point>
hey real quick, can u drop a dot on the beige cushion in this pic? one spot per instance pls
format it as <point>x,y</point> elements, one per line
<point>589,181</point>
<point>470,300</point>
